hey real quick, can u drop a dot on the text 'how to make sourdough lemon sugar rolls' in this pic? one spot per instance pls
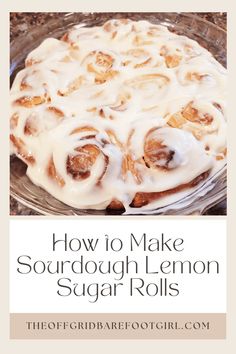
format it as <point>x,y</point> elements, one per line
<point>126,116</point>
<point>136,275</point>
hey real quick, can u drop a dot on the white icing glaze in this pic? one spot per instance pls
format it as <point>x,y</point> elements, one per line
<point>122,83</point>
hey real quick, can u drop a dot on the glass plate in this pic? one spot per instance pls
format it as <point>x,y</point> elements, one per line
<point>205,33</point>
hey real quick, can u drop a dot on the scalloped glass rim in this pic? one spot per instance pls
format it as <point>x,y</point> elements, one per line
<point>207,34</point>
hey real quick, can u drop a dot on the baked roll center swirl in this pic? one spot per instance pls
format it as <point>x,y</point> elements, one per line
<point>157,154</point>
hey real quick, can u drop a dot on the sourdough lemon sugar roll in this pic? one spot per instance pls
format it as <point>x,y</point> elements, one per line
<point>124,116</point>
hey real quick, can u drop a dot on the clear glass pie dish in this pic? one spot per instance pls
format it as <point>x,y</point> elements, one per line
<point>206,34</point>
